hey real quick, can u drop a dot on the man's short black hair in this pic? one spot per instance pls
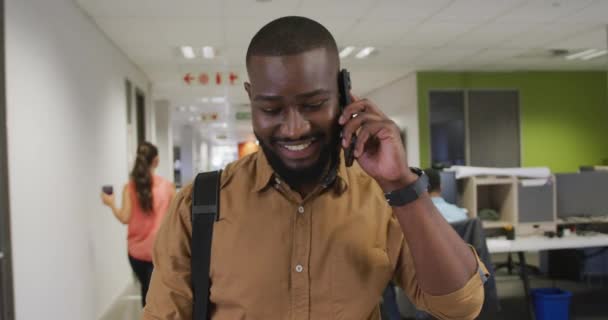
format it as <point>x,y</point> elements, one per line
<point>290,35</point>
<point>434,179</point>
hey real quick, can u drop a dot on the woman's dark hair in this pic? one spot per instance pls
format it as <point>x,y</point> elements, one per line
<point>141,175</point>
<point>434,179</point>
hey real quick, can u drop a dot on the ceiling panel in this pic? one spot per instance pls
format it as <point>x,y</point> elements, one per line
<point>591,39</point>
<point>386,57</point>
<point>539,11</point>
<point>151,8</point>
<point>546,33</point>
<point>335,8</point>
<point>170,32</point>
<point>487,35</point>
<point>597,12</point>
<point>475,11</point>
<point>263,10</point>
<point>434,34</point>
<point>407,10</point>
<point>239,31</point>
<point>234,55</point>
<point>377,32</point>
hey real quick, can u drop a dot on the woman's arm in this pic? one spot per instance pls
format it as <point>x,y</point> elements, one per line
<point>123,214</point>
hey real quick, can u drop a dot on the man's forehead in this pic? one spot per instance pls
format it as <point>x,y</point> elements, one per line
<point>312,68</point>
<point>314,60</point>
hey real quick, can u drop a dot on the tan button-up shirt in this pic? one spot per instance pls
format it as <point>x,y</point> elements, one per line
<point>278,256</point>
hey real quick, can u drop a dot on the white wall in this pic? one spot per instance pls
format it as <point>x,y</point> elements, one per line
<point>66,124</point>
<point>399,100</point>
<point>163,133</point>
<point>187,154</point>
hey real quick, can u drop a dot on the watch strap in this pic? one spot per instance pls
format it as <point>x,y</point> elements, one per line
<point>410,193</point>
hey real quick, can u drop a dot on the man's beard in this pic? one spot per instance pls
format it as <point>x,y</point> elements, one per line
<point>295,178</point>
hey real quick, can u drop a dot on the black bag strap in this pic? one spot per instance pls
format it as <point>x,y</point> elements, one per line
<point>205,211</point>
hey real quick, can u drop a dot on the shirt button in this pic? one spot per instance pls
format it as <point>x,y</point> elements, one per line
<point>299,268</point>
<point>301,209</point>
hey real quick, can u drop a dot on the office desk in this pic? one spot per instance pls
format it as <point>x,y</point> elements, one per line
<point>538,243</point>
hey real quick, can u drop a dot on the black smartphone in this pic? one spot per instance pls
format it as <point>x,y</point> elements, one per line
<point>344,86</point>
<point>109,190</point>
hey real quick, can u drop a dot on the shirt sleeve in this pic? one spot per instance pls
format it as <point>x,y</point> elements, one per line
<point>462,304</point>
<point>170,292</point>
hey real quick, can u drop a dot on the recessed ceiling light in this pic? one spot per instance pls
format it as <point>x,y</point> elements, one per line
<point>188,52</point>
<point>208,52</point>
<point>182,108</point>
<point>346,51</point>
<point>580,54</point>
<point>192,108</point>
<point>218,99</point>
<point>365,52</point>
<point>594,55</point>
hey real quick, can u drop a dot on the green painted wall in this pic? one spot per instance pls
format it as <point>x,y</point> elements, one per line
<point>564,115</point>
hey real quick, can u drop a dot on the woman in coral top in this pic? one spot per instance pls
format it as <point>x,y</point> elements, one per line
<point>145,200</point>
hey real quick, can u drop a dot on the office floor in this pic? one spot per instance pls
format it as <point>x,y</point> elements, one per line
<point>588,301</point>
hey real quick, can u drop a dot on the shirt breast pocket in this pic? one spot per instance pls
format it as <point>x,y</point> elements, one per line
<point>358,278</point>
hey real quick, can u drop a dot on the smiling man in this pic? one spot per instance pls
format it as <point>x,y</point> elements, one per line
<point>301,235</point>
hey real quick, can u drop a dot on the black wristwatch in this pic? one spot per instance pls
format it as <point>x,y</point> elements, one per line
<point>410,193</point>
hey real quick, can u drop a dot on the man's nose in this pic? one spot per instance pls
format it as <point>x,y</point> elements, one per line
<point>294,125</point>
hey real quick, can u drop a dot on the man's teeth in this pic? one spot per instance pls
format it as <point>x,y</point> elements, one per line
<point>297,147</point>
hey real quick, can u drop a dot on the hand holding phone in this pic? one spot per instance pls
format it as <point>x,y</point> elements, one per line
<point>344,87</point>
<point>107,189</point>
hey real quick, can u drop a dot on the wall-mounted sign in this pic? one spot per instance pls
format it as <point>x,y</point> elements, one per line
<point>243,115</point>
<point>205,78</point>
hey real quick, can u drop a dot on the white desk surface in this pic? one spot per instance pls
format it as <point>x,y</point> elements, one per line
<point>538,243</point>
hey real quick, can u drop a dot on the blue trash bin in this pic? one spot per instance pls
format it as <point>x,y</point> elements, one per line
<point>551,303</point>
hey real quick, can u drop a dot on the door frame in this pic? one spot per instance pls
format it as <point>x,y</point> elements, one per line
<point>7,311</point>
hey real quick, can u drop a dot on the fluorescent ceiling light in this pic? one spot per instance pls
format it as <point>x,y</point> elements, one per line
<point>218,99</point>
<point>208,52</point>
<point>188,52</point>
<point>192,108</point>
<point>594,55</point>
<point>364,52</point>
<point>580,54</point>
<point>346,51</point>
<point>205,100</point>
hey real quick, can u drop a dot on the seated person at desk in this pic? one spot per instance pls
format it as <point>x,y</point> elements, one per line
<point>449,211</point>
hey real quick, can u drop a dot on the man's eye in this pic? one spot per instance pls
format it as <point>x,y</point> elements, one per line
<point>271,111</point>
<point>314,106</point>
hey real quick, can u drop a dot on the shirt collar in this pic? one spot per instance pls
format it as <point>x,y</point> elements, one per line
<point>337,176</point>
<point>263,171</point>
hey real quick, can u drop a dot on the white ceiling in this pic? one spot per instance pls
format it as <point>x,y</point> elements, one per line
<point>410,35</point>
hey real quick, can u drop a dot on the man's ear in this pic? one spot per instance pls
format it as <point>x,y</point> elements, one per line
<point>247,86</point>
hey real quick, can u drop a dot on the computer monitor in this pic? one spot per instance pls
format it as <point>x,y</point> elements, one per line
<point>449,188</point>
<point>582,194</point>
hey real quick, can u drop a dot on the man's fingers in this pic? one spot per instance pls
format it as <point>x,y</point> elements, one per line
<point>367,132</point>
<point>357,107</point>
<point>353,124</point>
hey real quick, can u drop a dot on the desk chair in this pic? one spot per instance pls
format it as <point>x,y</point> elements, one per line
<point>471,231</point>
<point>510,265</point>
